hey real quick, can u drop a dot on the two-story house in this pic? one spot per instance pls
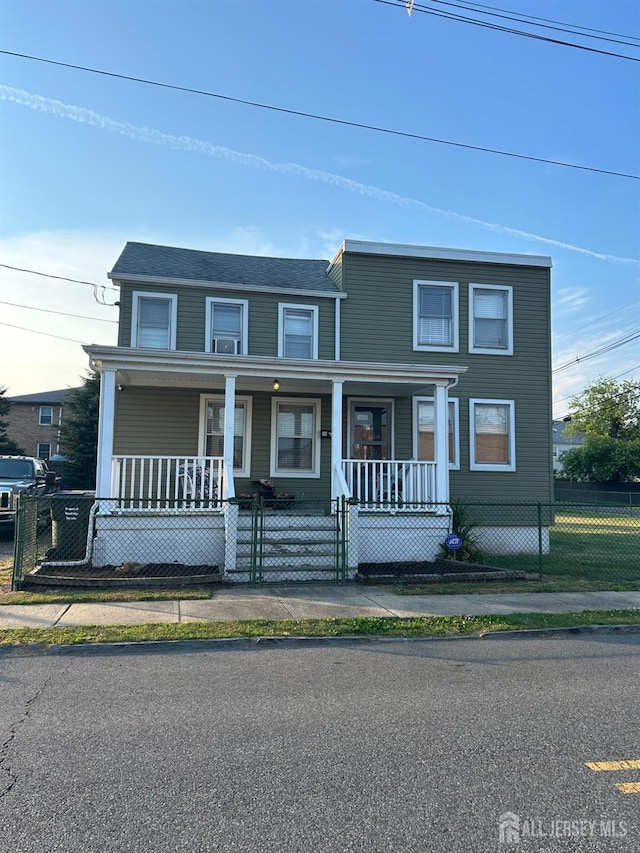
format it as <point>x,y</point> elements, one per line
<point>393,378</point>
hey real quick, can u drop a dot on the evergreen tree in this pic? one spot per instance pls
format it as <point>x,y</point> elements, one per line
<point>79,433</point>
<point>8,447</point>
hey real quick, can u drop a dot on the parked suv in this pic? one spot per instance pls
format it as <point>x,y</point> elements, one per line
<point>23,474</point>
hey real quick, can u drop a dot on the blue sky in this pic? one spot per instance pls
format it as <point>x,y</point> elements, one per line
<point>88,162</point>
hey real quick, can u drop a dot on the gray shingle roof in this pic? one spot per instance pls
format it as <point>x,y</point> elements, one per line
<point>44,397</point>
<point>145,259</point>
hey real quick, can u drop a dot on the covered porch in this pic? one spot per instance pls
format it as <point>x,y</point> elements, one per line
<point>324,428</point>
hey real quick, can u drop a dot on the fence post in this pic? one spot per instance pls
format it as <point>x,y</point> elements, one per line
<point>18,547</point>
<point>540,545</point>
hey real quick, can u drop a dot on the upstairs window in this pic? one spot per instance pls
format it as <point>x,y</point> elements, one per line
<point>491,319</point>
<point>298,331</point>
<point>435,316</point>
<point>424,436</point>
<point>226,326</point>
<point>492,425</point>
<point>46,416</point>
<point>154,320</point>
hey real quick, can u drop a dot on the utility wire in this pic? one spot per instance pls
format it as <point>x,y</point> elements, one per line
<point>38,332</point>
<point>60,277</point>
<point>602,351</point>
<point>61,313</point>
<point>624,373</point>
<point>514,16</point>
<point>548,20</point>
<point>487,25</point>
<point>319,117</point>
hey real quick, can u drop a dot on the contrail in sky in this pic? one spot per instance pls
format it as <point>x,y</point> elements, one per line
<point>200,146</point>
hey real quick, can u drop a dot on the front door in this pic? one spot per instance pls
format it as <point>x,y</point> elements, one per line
<point>370,429</point>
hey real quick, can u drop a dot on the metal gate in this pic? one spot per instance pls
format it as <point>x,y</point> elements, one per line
<point>304,543</point>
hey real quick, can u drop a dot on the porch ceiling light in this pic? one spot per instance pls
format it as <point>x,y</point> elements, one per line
<point>276,384</point>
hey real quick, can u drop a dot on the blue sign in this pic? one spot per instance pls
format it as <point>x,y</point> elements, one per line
<point>453,542</point>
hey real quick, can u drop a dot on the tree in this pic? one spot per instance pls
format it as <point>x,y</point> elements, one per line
<point>79,433</point>
<point>7,445</point>
<point>602,460</point>
<point>608,409</point>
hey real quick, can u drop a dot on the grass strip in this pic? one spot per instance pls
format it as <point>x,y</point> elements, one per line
<point>80,595</point>
<point>416,627</point>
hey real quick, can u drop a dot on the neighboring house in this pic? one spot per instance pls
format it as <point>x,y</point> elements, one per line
<point>402,377</point>
<point>562,442</point>
<point>34,422</point>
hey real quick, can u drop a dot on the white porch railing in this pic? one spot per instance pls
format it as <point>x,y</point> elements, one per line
<point>390,484</point>
<point>167,482</point>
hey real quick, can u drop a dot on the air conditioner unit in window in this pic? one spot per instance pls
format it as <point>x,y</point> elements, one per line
<point>226,346</point>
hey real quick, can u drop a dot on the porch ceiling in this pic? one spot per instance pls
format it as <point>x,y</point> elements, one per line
<point>207,371</point>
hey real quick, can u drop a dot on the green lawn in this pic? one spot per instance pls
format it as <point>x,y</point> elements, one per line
<point>414,628</point>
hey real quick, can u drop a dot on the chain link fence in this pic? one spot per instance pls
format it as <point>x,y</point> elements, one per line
<point>68,539</point>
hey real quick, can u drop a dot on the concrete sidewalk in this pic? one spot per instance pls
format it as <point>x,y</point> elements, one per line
<point>314,601</point>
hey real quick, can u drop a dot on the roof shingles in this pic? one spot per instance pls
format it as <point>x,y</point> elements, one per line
<point>167,262</point>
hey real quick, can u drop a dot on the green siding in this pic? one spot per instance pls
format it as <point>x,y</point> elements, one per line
<point>263,317</point>
<point>380,298</point>
<point>165,421</point>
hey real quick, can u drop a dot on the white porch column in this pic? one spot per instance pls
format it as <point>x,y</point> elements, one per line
<point>229,427</point>
<point>106,426</point>
<point>441,418</point>
<point>336,434</point>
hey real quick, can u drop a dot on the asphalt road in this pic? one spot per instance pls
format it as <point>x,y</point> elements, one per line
<point>378,746</point>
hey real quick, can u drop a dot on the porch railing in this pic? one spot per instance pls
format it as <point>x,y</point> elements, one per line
<point>167,482</point>
<point>390,484</point>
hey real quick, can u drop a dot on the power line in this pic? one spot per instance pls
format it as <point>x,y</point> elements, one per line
<point>624,373</point>
<point>318,117</point>
<point>487,25</point>
<point>604,349</point>
<point>507,15</point>
<point>59,277</point>
<point>550,21</point>
<point>38,332</point>
<point>61,313</point>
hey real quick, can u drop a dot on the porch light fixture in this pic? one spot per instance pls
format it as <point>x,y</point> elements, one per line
<point>276,384</point>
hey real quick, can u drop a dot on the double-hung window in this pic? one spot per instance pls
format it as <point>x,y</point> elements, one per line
<point>435,316</point>
<point>212,431</point>
<point>153,323</point>
<point>226,326</point>
<point>490,319</point>
<point>295,448</point>
<point>424,431</point>
<point>298,331</point>
<point>43,450</point>
<point>46,416</point>
<point>492,440</point>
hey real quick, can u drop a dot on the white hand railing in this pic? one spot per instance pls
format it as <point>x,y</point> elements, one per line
<point>389,484</point>
<point>167,482</point>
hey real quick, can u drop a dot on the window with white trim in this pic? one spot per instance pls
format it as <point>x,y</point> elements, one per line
<point>424,431</point>
<point>435,316</point>
<point>153,320</point>
<point>297,331</point>
<point>46,416</point>
<point>295,446</point>
<point>212,431</point>
<point>43,451</point>
<point>226,326</point>
<point>492,439</point>
<point>491,319</point>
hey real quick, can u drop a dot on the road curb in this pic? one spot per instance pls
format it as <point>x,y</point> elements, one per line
<point>247,643</point>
